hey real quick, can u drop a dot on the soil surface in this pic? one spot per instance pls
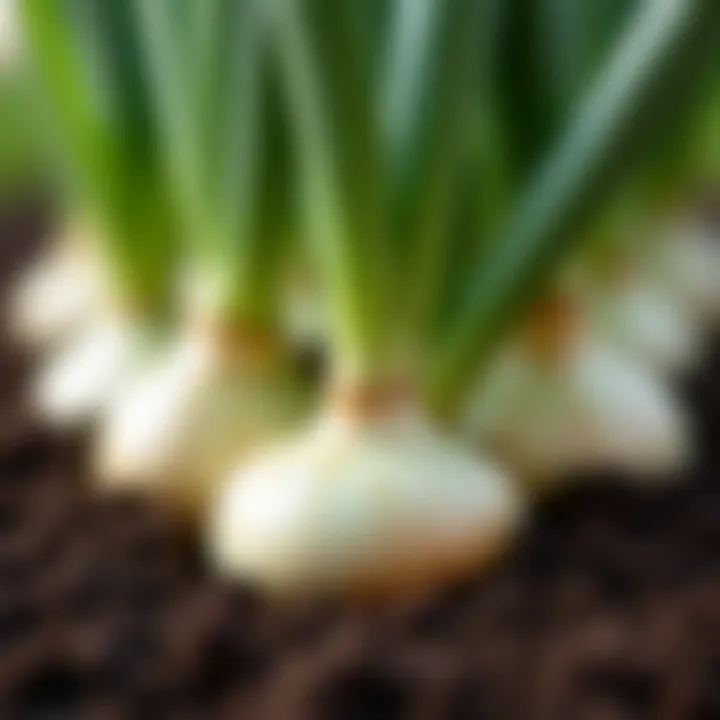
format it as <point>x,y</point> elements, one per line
<point>607,608</point>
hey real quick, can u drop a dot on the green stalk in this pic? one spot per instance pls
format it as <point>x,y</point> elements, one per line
<point>706,150</point>
<point>161,30</point>
<point>212,104</point>
<point>238,241</point>
<point>425,108</point>
<point>104,142</point>
<point>524,86</point>
<point>536,56</point>
<point>651,68</point>
<point>64,80</point>
<point>665,184</point>
<point>204,24</point>
<point>145,223</point>
<point>576,38</point>
<point>210,30</point>
<point>326,76</point>
<point>675,165</point>
<point>546,53</point>
<point>483,190</point>
<point>257,289</point>
<point>373,16</point>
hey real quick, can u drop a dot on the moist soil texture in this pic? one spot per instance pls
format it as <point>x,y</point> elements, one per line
<point>606,608</point>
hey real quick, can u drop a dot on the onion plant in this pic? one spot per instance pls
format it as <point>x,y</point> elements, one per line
<point>83,61</point>
<point>438,174</point>
<point>357,500</point>
<point>225,382</point>
<point>617,333</point>
<point>183,363</point>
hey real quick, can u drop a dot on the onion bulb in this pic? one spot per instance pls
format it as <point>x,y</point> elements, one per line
<point>60,292</point>
<point>91,368</point>
<point>589,407</point>
<point>179,425</point>
<point>369,506</point>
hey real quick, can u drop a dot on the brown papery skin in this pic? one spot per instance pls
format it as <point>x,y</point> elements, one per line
<point>248,346</point>
<point>554,324</point>
<point>368,401</point>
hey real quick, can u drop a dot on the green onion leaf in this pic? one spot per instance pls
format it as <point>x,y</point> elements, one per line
<point>426,104</point>
<point>326,74</point>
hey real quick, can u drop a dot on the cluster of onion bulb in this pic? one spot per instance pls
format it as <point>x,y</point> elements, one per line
<point>342,506</point>
<point>355,502</point>
<point>373,496</point>
<point>198,399</point>
<point>173,410</point>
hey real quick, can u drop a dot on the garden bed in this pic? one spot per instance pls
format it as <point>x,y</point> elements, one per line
<point>607,607</point>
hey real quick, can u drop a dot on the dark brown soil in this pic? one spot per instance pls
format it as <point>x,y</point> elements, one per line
<point>607,609</point>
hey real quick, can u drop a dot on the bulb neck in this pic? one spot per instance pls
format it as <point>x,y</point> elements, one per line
<point>553,328</point>
<point>362,402</point>
<point>251,347</point>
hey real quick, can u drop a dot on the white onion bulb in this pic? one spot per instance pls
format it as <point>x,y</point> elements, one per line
<point>371,507</point>
<point>179,425</point>
<point>60,293</point>
<point>91,369</point>
<point>591,407</point>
